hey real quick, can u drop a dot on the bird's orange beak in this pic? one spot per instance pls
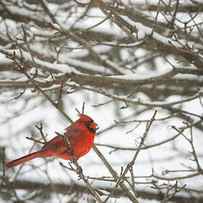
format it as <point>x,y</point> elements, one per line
<point>93,125</point>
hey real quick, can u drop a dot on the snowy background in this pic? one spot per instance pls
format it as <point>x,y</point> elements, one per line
<point>124,66</point>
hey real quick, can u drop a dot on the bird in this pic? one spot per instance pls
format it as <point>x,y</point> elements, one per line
<point>78,139</point>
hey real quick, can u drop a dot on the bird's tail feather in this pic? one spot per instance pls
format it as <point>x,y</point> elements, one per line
<point>23,159</point>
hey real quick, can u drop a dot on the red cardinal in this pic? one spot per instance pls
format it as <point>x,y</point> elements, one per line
<point>80,136</point>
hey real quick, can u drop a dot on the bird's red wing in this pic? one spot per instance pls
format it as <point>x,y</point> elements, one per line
<point>73,130</point>
<point>58,147</point>
<point>55,146</point>
<point>53,141</point>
